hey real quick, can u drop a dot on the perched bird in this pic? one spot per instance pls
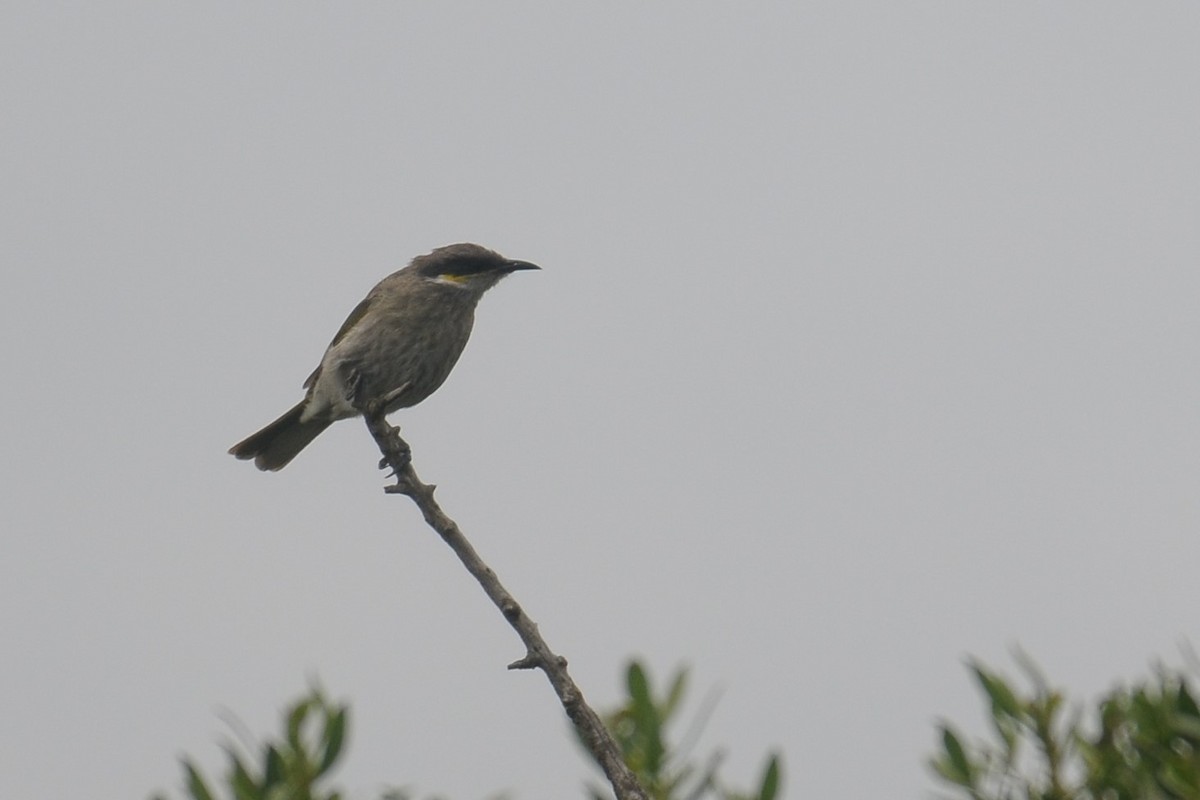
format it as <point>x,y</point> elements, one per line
<point>396,347</point>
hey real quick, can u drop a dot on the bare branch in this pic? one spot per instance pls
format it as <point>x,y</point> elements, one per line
<point>593,733</point>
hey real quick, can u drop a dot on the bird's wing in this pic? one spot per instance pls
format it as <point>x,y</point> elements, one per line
<point>358,313</point>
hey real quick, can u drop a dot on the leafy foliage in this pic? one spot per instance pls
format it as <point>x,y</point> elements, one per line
<point>314,732</point>
<point>290,769</point>
<point>1142,744</point>
<point>665,771</point>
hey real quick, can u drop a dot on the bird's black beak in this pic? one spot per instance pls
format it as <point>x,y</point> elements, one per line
<point>513,266</point>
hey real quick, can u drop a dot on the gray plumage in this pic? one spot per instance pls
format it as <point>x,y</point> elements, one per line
<point>398,344</point>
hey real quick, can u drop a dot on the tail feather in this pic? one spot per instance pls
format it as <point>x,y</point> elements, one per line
<point>278,443</point>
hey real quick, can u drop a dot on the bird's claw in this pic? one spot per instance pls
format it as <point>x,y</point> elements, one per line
<point>399,454</point>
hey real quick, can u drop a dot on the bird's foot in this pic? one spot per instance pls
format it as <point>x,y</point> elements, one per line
<point>399,454</point>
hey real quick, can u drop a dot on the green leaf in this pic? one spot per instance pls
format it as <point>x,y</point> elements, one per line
<point>675,693</point>
<point>275,767</point>
<point>639,687</point>
<point>770,782</point>
<point>647,720</point>
<point>243,785</point>
<point>335,734</point>
<point>1002,696</point>
<point>195,782</point>
<point>1178,781</point>
<point>1186,728</point>
<point>295,721</point>
<point>1184,703</point>
<point>955,767</point>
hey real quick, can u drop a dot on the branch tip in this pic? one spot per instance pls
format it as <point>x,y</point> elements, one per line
<point>530,661</point>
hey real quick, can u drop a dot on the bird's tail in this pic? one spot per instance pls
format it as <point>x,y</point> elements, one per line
<point>278,443</point>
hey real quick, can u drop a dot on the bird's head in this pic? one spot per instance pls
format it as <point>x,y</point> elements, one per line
<point>468,267</point>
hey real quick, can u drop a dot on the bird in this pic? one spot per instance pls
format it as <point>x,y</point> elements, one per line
<point>396,348</point>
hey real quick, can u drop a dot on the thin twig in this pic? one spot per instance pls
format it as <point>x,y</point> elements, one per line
<point>538,655</point>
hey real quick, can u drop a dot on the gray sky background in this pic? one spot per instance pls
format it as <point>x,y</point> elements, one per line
<point>866,340</point>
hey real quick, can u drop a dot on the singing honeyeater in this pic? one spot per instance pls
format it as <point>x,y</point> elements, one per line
<point>398,345</point>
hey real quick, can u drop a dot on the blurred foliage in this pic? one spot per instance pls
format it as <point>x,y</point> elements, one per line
<point>666,772</point>
<point>315,730</point>
<point>1140,742</point>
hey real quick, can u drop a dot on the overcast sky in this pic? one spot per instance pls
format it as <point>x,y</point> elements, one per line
<point>867,340</point>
